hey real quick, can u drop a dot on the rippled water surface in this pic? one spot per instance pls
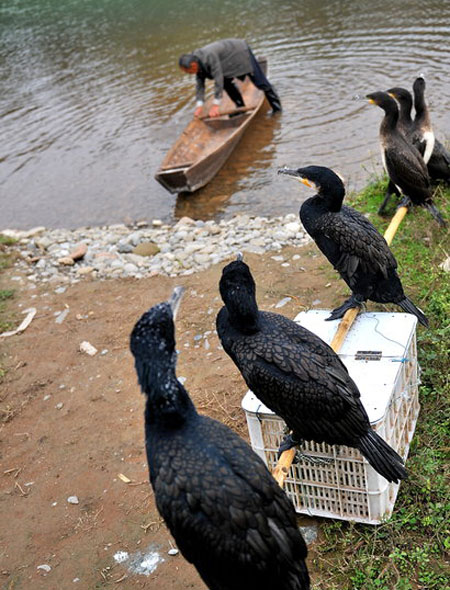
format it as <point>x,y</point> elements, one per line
<point>92,99</point>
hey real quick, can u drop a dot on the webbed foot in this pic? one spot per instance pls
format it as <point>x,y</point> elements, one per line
<point>339,312</point>
<point>287,443</point>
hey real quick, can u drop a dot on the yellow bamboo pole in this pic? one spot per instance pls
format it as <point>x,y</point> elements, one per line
<point>281,469</point>
<point>395,222</point>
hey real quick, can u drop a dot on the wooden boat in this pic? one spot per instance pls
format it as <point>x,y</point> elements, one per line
<point>205,144</point>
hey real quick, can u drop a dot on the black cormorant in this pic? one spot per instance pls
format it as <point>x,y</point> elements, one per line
<point>434,153</point>
<point>297,375</point>
<point>227,514</point>
<point>402,161</point>
<point>351,243</point>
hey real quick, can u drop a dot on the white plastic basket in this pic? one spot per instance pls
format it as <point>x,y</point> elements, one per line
<point>381,357</point>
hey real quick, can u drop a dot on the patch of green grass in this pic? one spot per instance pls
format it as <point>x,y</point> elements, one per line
<point>6,318</point>
<point>407,552</point>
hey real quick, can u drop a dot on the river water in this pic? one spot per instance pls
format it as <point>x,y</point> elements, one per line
<point>92,99</point>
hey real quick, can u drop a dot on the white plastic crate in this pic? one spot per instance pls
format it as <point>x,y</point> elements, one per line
<point>380,355</point>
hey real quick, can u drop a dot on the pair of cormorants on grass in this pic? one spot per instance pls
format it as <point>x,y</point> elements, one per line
<point>408,147</point>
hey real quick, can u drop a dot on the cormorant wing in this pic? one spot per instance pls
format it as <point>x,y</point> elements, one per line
<point>231,504</point>
<point>354,244</point>
<point>407,170</point>
<point>295,369</point>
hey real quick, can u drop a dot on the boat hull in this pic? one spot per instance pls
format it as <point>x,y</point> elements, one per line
<point>205,144</point>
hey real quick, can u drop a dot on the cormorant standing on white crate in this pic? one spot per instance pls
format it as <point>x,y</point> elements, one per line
<point>297,375</point>
<point>351,243</point>
<point>226,512</point>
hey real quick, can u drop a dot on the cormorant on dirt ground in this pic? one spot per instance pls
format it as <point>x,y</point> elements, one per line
<point>436,157</point>
<point>402,161</point>
<point>297,375</point>
<point>351,243</point>
<point>227,514</point>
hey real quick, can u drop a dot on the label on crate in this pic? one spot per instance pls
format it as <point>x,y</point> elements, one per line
<point>368,355</point>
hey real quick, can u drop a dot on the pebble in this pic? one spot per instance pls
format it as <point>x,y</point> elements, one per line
<point>73,500</point>
<point>87,348</point>
<point>45,567</point>
<point>184,248</point>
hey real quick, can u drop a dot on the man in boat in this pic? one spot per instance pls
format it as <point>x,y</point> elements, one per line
<point>222,61</point>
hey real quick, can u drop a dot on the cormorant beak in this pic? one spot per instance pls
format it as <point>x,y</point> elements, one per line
<point>296,175</point>
<point>371,101</point>
<point>239,257</point>
<point>175,300</point>
<point>392,95</point>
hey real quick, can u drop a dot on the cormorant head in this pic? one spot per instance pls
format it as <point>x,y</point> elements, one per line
<point>403,96</point>
<point>419,84</point>
<point>152,341</point>
<point>329,185</point>
<point>419,94</point>
<point>384,101</point>
<point>238,291</point>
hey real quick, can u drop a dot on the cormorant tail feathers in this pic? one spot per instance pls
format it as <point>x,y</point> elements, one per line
<point>435,213</point>
<point>382,457</point>
<point>408,306</point>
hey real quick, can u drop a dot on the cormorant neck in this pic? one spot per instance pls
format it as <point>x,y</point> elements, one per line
<point>168,403</point>
<point>389,122</point>
<point>419,103</point>
<point>332,197</point>
<point>405,113</point>
<point>244,315</point>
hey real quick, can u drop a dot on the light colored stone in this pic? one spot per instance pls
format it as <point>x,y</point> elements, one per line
<point>66,261</point>
<point>146,249</point>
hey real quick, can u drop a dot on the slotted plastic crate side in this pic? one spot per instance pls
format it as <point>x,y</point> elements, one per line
<point>350,488</point>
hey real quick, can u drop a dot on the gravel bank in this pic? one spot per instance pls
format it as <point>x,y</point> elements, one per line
<point>144,250</point>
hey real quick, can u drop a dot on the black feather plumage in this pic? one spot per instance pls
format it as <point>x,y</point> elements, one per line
<point>402,161</point>
<point>438,164</point>
<point>226,512</point>
<point>351,243</point>
<point>297,375</point>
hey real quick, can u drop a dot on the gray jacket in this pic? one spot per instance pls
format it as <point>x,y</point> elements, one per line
<point>228,58</point>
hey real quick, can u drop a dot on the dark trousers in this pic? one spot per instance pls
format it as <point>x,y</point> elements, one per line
<point>259,80</point>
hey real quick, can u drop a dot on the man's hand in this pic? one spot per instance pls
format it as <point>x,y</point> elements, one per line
<point>198,112</point>
<point>214,111</point>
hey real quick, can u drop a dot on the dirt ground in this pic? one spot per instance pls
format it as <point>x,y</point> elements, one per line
<point>71,423</point>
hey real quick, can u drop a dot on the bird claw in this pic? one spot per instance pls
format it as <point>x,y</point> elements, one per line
<point>339,312</point>
<point>287,443</point>
<point>405,202</point>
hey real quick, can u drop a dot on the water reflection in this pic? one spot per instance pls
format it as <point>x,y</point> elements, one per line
<point>92,99</point>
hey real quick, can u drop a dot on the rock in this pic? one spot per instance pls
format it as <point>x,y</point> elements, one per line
<point>66,261</point>
<point>157,223</point>
<point>283,302</point>
<point>44,567</point>
<point>173,551</point>
<point>185,221</point>
<point>146,249</point>
<point>85,270</point>
<point>79,252</point>
<point>73,500</point>
<point>62,316</point>
<point>87,348</point>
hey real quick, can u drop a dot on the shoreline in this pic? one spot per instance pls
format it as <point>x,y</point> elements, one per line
<point>148,249</point>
